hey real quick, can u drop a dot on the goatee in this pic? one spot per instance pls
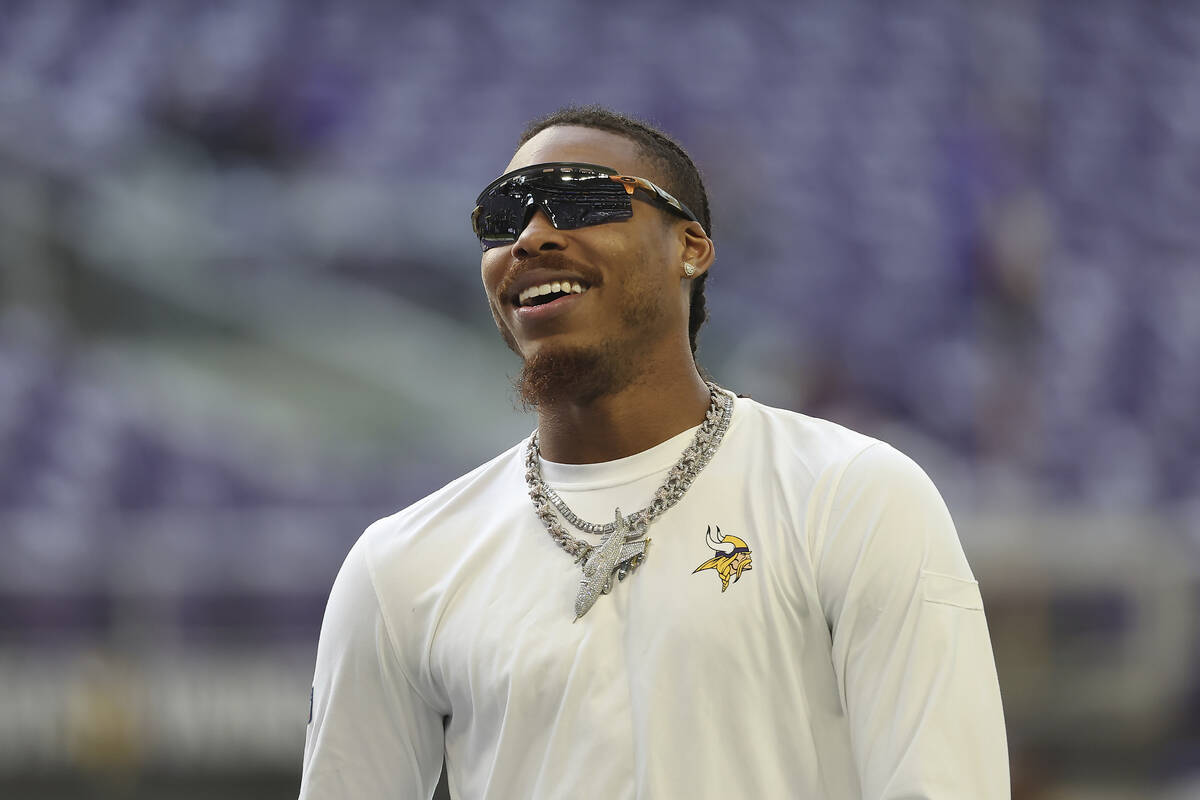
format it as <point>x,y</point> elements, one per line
<point>577,375</point>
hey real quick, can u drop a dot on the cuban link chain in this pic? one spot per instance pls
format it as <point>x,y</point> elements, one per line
<point>624,546</point>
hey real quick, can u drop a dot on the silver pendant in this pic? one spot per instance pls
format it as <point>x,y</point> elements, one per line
<point>603,564</point>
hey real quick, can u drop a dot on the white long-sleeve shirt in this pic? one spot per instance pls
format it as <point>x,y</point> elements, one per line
<point>850,659</point>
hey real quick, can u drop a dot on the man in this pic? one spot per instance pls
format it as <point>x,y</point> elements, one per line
<point>667,591</point>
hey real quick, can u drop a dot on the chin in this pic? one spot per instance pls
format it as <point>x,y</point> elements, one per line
<point>577,374</point>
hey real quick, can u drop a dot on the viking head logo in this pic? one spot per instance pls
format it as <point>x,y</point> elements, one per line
<point>733,556</point>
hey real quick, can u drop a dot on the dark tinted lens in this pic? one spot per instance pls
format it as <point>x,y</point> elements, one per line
<point>569,199</point>
<point>498,219</point>
<point>576,201</point>
<point>569,214</point>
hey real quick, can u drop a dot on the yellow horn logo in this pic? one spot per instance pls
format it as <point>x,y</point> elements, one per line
<point>732,559</point>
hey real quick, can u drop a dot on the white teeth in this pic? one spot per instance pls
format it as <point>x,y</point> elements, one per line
<point>548,288</point>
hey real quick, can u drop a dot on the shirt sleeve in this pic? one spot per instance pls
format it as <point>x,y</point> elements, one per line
<point>910,644</point>
<point>371,733</point>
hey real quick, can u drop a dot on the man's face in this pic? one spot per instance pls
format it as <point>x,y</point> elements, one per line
<point>634,301</point>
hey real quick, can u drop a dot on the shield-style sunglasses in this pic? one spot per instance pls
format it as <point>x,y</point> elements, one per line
<point>572,195</point>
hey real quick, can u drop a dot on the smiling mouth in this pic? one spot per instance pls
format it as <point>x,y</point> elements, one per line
<point>549,292</point>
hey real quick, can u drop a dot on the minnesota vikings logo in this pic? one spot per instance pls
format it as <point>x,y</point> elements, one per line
<point>733,556</point>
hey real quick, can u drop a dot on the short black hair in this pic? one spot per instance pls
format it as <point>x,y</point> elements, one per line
<point>676,171</point>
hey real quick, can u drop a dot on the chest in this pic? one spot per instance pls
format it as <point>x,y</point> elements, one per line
<point>724,595</point>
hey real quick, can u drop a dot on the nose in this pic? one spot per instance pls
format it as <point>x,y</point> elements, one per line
<point>538,237</point>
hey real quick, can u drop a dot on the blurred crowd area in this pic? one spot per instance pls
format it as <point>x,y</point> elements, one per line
<point>241,317</point>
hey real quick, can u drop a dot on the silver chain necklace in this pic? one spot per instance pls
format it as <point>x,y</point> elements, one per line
<point>624,546</point>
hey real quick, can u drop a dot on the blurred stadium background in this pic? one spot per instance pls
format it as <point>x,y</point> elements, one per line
<point>241,318</point>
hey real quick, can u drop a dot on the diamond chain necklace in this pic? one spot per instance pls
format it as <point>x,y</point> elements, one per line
<point>624,546</point>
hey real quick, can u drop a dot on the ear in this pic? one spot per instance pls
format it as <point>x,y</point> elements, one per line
<point>698,250</point>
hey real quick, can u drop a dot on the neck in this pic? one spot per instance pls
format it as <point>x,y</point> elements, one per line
<point>647,412</point>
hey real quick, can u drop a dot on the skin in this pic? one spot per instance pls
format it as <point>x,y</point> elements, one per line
<point>634,263</point>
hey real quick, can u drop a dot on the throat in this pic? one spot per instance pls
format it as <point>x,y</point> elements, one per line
<point>619,424</point>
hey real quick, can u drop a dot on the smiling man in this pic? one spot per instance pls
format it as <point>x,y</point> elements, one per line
<point>666,590</point>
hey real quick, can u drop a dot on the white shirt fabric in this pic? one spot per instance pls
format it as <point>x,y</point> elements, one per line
<point>851,660</point>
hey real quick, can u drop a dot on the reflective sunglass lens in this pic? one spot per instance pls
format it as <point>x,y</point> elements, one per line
<point>571,199</point>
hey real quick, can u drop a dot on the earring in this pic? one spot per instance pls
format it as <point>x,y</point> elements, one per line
<point>688,269</point>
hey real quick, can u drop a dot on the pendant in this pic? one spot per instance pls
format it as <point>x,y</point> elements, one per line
<point>604,562</point>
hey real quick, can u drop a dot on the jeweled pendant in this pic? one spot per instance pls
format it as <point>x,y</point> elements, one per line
<point>603,563</point>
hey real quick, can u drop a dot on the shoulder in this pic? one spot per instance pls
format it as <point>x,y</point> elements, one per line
<point>851,477</point>
<point>464,503</point>
<point>818,446</point>
<point>878,513</point>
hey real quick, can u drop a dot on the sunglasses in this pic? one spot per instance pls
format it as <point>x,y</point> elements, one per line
<point>572,195</point>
